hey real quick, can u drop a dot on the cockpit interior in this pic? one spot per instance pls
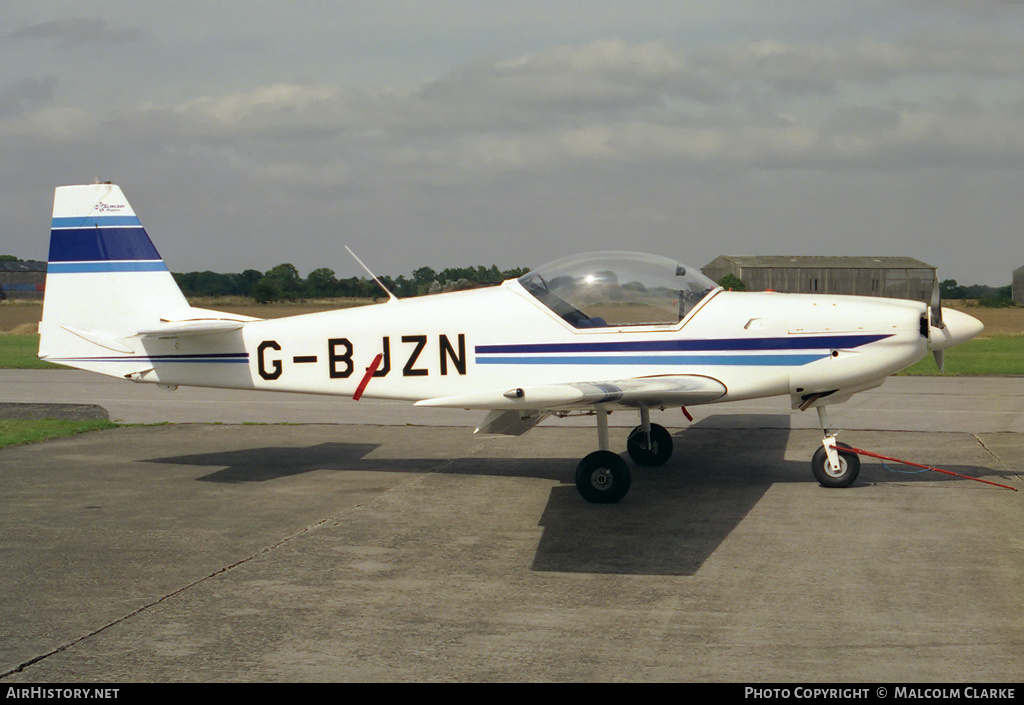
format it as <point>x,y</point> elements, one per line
<point>604,289</point>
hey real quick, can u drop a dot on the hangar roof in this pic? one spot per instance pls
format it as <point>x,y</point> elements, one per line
<point>798,261</point>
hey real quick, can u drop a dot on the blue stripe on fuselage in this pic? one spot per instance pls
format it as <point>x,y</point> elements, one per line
<point>752,360</point>
<point>194,358</point>
<point>773,352</point>
<point>811,342</point>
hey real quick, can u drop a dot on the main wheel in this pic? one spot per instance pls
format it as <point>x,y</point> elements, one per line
<point>603,477</point>
<point>657,452</point>
<point>849,467</point>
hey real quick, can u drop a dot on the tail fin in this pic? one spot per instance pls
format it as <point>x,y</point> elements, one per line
<point>105,280</point>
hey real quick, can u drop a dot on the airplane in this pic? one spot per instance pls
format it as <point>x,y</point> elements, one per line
<point>587,334</point>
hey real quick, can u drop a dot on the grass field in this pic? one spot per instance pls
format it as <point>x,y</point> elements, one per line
<point>20,317</point>
<point>19,352</point>
<point>1003,355</point>
<point>16,431</point>
<point>19,322</point>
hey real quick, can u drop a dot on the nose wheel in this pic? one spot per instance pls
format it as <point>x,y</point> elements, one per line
<point>831,464</point>
<point>843,474</point>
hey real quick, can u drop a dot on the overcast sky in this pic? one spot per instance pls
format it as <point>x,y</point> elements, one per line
<point>451,133</point>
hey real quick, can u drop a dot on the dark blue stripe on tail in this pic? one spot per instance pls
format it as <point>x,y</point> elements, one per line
<point>99,244</point>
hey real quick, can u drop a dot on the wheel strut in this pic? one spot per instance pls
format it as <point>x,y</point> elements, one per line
<point>829,442</point>
<point>645,426</point>
<point>602,429</point>
<point>602,477</point>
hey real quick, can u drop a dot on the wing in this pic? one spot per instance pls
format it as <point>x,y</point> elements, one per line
<point>516,411</point>
<point>664,390</point>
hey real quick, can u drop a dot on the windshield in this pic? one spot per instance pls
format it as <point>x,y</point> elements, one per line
<point>618,289</point>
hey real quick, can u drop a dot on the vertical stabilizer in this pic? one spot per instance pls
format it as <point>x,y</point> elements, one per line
<point>105,280</point>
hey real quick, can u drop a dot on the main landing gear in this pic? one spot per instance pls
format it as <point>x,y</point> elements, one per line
<point>603,477</point>
<point>831,464</point>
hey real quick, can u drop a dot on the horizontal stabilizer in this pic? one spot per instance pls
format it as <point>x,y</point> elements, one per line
<point>195,321</point>
<point>669,390</point>
<point>104,341</point>
<point>182,329</point>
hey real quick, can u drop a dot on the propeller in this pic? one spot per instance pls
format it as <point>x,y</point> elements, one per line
<point>957,328</point>
<point>936,311</point>
<point>935,316</point>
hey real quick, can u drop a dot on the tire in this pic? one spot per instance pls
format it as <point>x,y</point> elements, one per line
<point>603,477</point>
<point>849,464</point>
<point>658,453</point>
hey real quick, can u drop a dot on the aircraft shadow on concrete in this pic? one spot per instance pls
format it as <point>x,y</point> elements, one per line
<point>672,520</point>
<point>675,516</point>
<point>267,464</point>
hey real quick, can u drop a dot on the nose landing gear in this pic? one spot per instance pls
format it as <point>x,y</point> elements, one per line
<point>833,465</point>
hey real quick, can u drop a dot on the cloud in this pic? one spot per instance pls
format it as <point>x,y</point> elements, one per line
<point>26,95</point>
<point>600,104</point>
<point>267,109</point>
<point>818,67</point>
<point>75,31</point>
<point>607,76</point>
<point>523,141</point>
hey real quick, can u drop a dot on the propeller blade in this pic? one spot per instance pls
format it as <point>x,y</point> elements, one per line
<point>936,307</point>
<point>940,359</point>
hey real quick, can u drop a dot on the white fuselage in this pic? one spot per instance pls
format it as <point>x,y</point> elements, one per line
<point>462,343</point>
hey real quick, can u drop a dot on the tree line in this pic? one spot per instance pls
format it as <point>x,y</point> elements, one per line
<point>285,283</point>
<point>989,296</point>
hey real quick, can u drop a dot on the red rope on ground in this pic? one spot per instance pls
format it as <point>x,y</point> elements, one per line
<point>868,453</point>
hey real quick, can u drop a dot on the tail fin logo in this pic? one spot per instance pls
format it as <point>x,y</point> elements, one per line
<point>95,230</point>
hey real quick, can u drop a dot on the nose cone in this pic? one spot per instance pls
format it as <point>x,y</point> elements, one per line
<point>957,328</point>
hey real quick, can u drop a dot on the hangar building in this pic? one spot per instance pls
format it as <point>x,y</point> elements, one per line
<point>893,277</point>
<point>22,279</point>
<point>1018,285</point>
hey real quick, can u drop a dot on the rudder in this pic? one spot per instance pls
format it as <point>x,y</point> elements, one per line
<point>105,279</point>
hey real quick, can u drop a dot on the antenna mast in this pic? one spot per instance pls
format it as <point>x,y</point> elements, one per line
<point>391,297</point>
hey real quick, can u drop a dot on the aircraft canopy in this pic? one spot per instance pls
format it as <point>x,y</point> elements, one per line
<point>602,289</point>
